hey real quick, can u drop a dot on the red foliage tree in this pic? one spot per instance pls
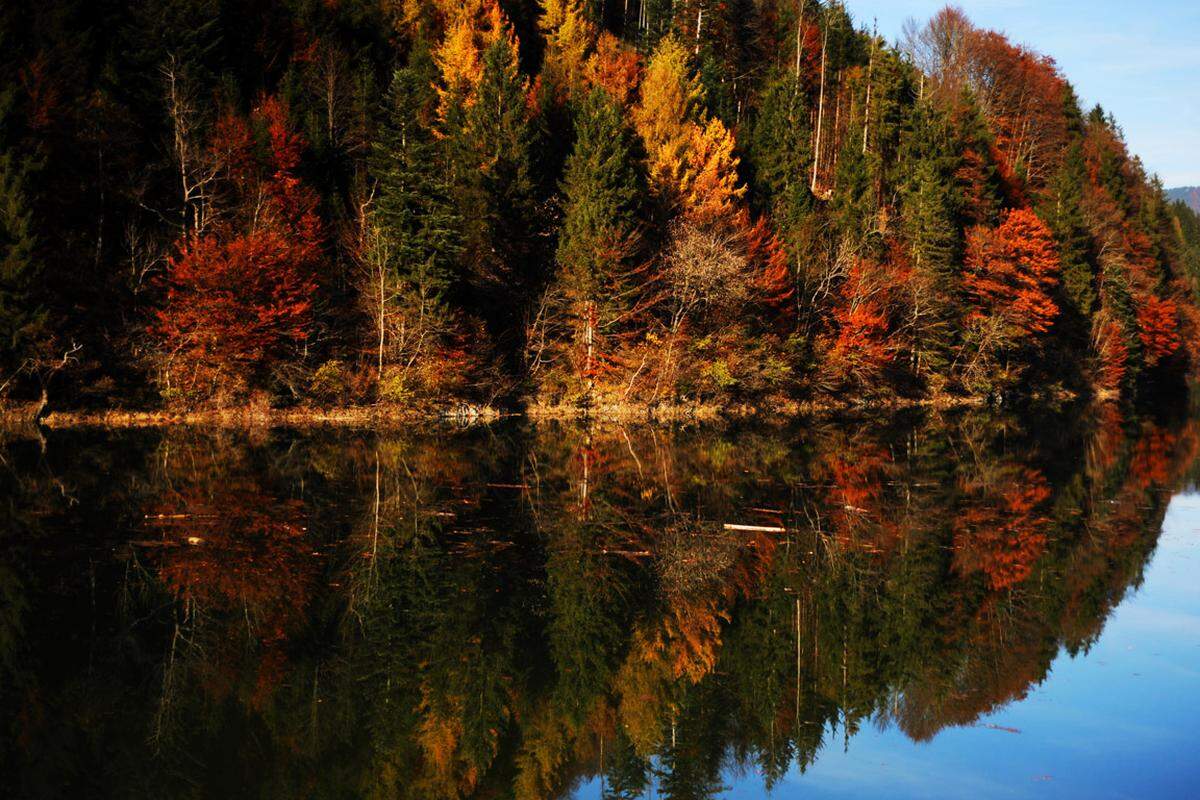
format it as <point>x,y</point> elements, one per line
<point>1158,329</point>
<point>773,278</point>
<point>1002,532</point>
<point>1011,271</point>
<point>862,347</point>
<point>240,294</point>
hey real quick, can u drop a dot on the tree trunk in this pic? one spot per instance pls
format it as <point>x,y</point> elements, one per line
<point>820,111</point>
<point>43,407</point>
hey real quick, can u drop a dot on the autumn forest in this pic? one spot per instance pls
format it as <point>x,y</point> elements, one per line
<point>567,205</point>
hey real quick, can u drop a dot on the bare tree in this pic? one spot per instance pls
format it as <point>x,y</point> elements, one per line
<point>704,268</point>
<point>197,169</point>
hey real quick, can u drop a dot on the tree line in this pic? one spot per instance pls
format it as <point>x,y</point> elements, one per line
<point>569,204</point>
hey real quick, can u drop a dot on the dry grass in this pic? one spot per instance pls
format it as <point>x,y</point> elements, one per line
<point>348,416</point>
<point>400,415</point>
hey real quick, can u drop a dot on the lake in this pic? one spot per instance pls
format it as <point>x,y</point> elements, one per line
<point>930,605</point>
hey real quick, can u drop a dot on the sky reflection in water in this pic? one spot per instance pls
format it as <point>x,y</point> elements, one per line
<point>1116,722</point>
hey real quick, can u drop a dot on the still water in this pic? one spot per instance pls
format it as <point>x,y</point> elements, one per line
<point>950,606</point>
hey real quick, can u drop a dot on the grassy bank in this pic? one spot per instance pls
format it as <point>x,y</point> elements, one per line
<point>460,413</point>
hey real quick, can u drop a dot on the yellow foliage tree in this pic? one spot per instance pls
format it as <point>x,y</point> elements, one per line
<point>665,115</point>
<point>711,193</point>
<point>471,28</point>
<point>570,36</point>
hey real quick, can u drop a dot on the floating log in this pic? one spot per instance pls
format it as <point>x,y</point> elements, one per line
<point>729,526</point>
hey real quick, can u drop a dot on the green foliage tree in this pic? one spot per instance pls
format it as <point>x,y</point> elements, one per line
<point>413,210</point>
<point>929,208</point>
<point>1062,211</point>
<point>603,187</point>
<point>491,139</point>
<point>601,239</point>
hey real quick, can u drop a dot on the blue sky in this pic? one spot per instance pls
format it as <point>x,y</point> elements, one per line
<point>1140,60</point>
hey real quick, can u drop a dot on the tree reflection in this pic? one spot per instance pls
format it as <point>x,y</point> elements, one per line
<point>513,611</point>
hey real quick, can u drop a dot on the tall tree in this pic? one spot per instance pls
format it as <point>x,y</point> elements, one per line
<point>1063,212</point>
<point>670,103</point>
<point>600,242</point>
<point>419,229</point>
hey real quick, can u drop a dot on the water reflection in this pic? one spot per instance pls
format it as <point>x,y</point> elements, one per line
<point>515,610</point>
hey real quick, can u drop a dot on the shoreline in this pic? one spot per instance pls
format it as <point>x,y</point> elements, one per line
<point>463,414</point>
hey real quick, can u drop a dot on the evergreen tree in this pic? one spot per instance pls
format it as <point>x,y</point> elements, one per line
<point>413,212</point>
<point>22,319</point>
<point>780,151</point>
<point>853,201</point>
<point>1062,211</point>
<point>1186,225</point>
<point>491,153</point>
<point>929,208</point>
<point>603,184</point>
<point>602,189</point>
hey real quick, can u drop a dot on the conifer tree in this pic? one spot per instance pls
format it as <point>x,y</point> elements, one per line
<point>413,210</point>
<point>570,36</point>
<point>502,136</point>
<point>22,318</point>
<point>602,190</point>
<point>780,151</point>
<point>671,100</point>
<point>929,209</point>
<point>601,233</point>
<point>489,134</point>
<point>1062,211</point>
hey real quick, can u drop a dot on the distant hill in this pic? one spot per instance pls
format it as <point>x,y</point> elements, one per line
<point>1188,194</point>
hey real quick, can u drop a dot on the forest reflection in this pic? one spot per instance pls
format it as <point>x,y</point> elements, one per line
<point>511,611</point>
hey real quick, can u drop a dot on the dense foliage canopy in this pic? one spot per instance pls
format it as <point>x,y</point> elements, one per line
<point>567,203</point>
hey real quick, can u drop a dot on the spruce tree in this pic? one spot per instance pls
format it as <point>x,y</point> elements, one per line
<point>780,152</point>
<point>930,207</point>
<point>491,141</point>
<point>930,202</point>
<point>602,188</point>
<point>1063,212</point>
<point>413,212</point>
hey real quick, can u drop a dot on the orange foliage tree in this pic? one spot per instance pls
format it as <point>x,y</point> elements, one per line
<point>861,349</point>
<point>1011,271</point>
